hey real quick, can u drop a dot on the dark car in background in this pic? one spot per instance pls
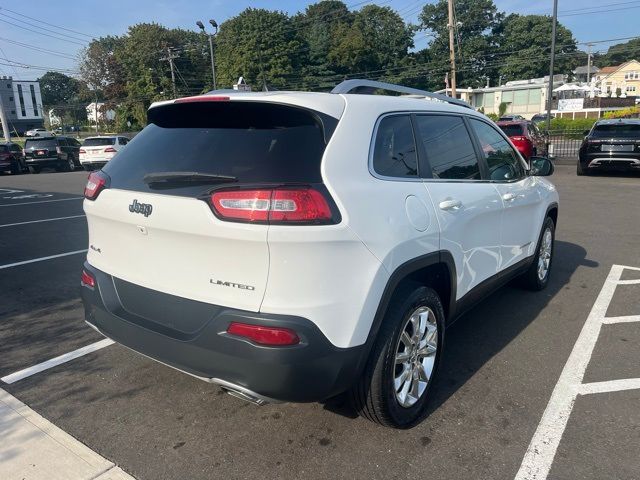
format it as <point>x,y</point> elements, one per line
<point>11,159</point>
<point>61,153</point>
<point>541,117</point>
<point>525,136</point>
<point>611,145</point>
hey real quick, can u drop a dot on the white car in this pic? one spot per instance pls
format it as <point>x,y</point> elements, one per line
<point>97,151</point>
<point>39,132</point>
<point>292,246</point>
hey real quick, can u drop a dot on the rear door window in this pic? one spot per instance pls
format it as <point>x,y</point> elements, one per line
<point>394,152</point>
<point>257,143</point>
<point>448,147</point>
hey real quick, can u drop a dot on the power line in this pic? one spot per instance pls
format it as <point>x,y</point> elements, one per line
<point>61,34</point>
<point>39,49</point>
<point>46,23</point>
<point>42,33</point>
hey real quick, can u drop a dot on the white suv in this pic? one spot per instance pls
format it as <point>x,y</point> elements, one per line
<point>292,246</point>
<point>97,151</point>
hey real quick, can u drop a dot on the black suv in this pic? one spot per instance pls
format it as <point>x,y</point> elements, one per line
<point>11,158</point>
<point>61,153</point>
<point>611,145</point>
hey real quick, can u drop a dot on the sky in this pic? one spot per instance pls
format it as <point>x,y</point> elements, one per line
<point>72,23</point>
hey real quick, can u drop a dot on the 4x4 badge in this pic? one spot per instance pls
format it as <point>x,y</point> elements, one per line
<point>143,208</point>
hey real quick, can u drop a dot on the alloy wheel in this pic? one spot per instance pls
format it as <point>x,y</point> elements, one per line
<point>544,255</point>
<point>415,356</point>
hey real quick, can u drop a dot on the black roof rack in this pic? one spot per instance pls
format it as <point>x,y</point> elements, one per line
<point>370,86</point>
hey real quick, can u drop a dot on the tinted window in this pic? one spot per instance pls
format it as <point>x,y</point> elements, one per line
<point>15,148</point>
<point>48,143</point>
<point>99,142</point>
<point>448,147</point>
<point>4,149</point>
<point>254,142</point>
<point>502,160</point>
<point>619,130</point>
<point>512,130</point>
<point>394,153</point>
<point>62,142</point>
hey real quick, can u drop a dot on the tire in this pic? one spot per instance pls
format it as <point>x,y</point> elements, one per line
<point>16,169</point>
<point>68,166</point>
<point>532,279</point>
<point>580,170</point>
<point>35,169</point>
<point>375,395</point>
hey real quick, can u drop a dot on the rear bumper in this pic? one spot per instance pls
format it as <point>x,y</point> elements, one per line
<point>310,371</point>
<point>93,164</point>
<point>617,161</point>
<point>42,162</point>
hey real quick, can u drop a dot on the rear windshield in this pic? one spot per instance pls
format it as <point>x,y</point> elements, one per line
<point>47,143</point>
<point>621,130</point>
<point>4,148</point>
<point>254,142</point>
<point>512,130</point>
<point>98,142</point>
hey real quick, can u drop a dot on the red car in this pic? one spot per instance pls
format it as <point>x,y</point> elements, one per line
<point>525,136</point>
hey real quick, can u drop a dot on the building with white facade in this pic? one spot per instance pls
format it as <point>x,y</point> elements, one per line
<point>97,112</point>
<point>22,103</point>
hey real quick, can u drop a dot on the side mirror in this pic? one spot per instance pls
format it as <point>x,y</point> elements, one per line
<point>541,166</point>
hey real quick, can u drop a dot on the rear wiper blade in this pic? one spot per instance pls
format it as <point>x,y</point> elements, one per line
<point>165,178</point>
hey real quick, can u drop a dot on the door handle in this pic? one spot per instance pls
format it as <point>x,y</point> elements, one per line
<point>510,197</point>
<point>450,205</point>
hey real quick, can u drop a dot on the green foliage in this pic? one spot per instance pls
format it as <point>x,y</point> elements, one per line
<point>620,53</point>
<point>525,47</point>
<point>567,124</point>
<point>502,109</point>
<point>477,41</point>
<point>493,116</point>
<point>260,45</point>
<point>630,112</point>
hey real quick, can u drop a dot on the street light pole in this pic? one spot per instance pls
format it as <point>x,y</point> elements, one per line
<point>215,31</point>
<point>553,56</point>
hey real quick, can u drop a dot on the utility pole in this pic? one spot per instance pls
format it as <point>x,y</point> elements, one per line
<point>452,53</point>
<point>553,57</point>
<point>589,45</point>
<point>170,58</point>
<point>214,24</point>
<point>5,123</point>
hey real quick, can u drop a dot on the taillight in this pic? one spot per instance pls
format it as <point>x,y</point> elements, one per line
<point>519,139</point>
<point>280,205</point>
<point>82,150</point>
<point>87,280</point>
<point>110,150</point>
<point>96,182</point>
<point>271,336</point>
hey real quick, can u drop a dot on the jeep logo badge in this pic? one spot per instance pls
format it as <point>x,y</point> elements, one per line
<point>143,208</point>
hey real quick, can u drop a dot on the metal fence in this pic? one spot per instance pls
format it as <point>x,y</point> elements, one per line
<point>565,143</point>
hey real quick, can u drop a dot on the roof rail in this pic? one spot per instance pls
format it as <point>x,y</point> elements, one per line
<point>369,86</point>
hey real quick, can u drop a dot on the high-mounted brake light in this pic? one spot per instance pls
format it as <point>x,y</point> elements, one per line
<point>96,182</point>
<point>110,150</point>
<point>270,336</point>
<point>280,205</point>
<point>202,98</point>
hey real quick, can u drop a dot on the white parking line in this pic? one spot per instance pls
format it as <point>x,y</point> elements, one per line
<point>25,262</point>
<point>38,221</point>
<point>542,449</point>
<point>54,362</point>
<point>42,201</point>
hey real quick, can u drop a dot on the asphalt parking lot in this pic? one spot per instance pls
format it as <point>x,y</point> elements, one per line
<point>503,386</point>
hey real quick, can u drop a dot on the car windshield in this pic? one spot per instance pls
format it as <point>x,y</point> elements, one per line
<point>618,130</point>
<point>48,143</point>
<point>99,142</point>
<point>511,130</point>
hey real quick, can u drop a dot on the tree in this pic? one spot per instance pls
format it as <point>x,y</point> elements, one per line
<point>525,47</point>
<point>620,53</point>
<point>262,46</point>
<point>378,39</point>
<point>57,88</point>
<point>475,41</point>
